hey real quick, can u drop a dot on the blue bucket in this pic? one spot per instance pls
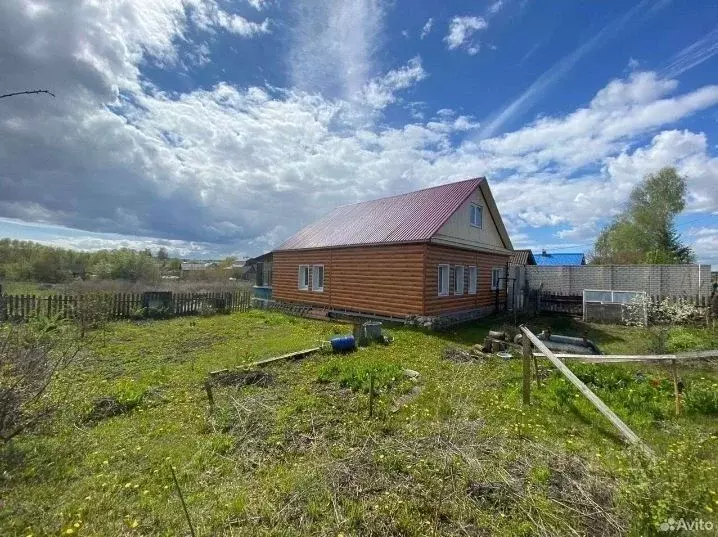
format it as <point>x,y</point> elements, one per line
<point>343,343</point>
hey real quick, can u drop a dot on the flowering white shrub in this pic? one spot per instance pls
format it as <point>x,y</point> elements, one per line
<point>643,310</point>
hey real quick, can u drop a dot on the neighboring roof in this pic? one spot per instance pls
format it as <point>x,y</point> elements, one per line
<point>412,217</point>
<point>267,256</point>
<point>549,259</point>
<point>522,257</point>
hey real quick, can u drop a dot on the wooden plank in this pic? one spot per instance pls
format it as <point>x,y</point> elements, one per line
<point>618,358</point>
<point>291,355</point>
<point>624,429</point>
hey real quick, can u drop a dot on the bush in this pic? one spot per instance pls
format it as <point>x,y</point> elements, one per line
<point>675,486</point>
<point>701,397</point>
<point>31,356</point>
<point>666,312</point>
<point>354,374</point>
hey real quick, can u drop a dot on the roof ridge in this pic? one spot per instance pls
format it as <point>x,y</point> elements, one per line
<point>479,179</point>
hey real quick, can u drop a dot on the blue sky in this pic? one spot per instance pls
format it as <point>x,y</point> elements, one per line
<point>216,127</point>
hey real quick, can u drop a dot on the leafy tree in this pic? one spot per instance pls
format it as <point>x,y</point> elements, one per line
<point>645,233</point>
<point>162,254</point>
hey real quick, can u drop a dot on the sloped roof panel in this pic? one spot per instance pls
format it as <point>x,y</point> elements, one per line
<point>411,217</point>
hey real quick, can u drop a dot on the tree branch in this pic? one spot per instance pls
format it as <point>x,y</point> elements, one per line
<point>29,92</point>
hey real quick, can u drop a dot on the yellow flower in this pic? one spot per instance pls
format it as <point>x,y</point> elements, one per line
<point>69,531</point>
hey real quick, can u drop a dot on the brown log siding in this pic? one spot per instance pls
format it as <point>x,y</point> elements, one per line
<point>394,280</point>
<point>385,280</point>
<point>484,262</point>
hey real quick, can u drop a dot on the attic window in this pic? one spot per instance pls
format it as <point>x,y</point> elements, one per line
<point>476,215</point>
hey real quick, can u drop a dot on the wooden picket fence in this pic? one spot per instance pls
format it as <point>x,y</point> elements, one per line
<point>116,306</point>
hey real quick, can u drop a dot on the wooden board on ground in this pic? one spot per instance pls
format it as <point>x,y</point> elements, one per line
<point>618,358</point>
<point>261,363</point>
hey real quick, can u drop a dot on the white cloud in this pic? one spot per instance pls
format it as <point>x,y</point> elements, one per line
<point>381,91</point>
<point>334,45</point>
<point>426,30</point>
<point>460,31</point>
<point>239,25</point>
<point>259,5</point>
<point>622,110</point>
<point>704,241</point>
<point>693,55</point>
<point>495,7</point>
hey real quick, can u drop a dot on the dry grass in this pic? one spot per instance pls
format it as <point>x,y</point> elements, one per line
<point>453,453</point>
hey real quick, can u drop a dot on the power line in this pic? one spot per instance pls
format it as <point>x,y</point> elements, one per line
<point>28,92</point>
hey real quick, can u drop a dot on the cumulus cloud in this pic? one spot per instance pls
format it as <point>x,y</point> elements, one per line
<point>381,91</point>
<point>461,29</point>
<point>239,169</point>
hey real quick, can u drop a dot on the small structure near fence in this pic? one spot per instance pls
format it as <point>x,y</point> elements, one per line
<point>605,306</point>
<point>116,306</point>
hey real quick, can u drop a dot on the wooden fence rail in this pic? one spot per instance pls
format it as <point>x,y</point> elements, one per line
<point>121,305</point>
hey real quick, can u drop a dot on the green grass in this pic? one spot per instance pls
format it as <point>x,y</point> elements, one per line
<point>460,455</point>
<point>27,288</point>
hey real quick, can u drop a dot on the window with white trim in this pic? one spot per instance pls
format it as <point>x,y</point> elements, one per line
<point>496,276</point>
<point>476,216</point>
<point>472,280</point>
<point>318,278</point>
<point>443,277</point>
<point>458,280</point>
<point>303,278</point>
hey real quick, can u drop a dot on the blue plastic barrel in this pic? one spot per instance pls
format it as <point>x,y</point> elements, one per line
<point>343,343</point>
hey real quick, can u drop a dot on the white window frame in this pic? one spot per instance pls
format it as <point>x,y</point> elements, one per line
<point>447,278</point>
<point>473,279</point>
<point>315,274</point>
<point>496,282</point>
<point>473,210</point>
<point>459,281</point>
<point>301,285</point>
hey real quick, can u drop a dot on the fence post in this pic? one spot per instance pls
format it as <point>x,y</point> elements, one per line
<point>676,393</point>
<point>527,354</point>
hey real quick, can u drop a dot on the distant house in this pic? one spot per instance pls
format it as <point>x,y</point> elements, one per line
<point>547,259</point>
<point>260,268</point>
<point>522,257</point>
<point>434,252</point>
<point>188,267</point>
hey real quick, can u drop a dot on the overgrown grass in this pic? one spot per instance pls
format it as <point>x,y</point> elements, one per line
<point>453,453</point>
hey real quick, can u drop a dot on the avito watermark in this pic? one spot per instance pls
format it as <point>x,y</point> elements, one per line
<point>697,524</point>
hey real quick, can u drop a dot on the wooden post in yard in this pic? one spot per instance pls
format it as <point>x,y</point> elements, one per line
<point>676,394</point>
<point>210,396</point>
<point>527,354</point>
<point>624,429</point>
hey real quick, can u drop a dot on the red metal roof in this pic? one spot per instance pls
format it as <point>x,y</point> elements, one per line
<point>411,217</point>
